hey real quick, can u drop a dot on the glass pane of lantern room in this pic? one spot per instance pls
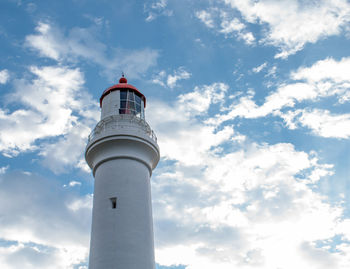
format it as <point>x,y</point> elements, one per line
<point>130,103</point>
<point>131,96</point>
<point>133,103</point>
<point>142,110</point>
<point>123,94</point>
<point>138,101</point>
<point>138,105</point>
<point>123,101</point>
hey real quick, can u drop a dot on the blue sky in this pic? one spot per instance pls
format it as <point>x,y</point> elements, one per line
<point>250,101</point>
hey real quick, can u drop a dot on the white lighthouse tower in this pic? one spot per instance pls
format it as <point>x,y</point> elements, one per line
<point>122,152</point>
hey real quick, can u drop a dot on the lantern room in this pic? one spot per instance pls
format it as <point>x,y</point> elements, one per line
<point>122,98</point>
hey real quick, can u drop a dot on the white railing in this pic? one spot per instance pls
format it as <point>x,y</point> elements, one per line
<point>120,122</point>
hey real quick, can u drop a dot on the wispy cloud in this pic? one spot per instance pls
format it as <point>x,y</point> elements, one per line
<point>179,74</point>
<point>4,76</point>
<point>74,183</point>
<point>235,26</point>
<point>259,68</point>
<point>321,122</point>
<point>4,169</point>
<point>324,79</point>
<point>205,17</point>
<point>52,96</point>
<point>171,80</point>
<point>223,22</point>
<point>292,24</point>
<point>82,43</point>
<point>157,8</point>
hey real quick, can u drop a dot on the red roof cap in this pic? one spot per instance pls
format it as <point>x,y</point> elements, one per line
<point>123,85</point>
<point>123,80</point>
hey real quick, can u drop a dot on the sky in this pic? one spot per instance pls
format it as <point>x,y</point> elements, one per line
<point>250,101</point>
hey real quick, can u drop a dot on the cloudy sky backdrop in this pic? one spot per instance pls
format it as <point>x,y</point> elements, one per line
<point>250,101</point>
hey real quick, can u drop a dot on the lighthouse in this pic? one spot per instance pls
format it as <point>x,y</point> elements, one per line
<point>122,151</point>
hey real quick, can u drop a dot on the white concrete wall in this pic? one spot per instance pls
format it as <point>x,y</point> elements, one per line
<point>110,104</point>
<point>122,237</point>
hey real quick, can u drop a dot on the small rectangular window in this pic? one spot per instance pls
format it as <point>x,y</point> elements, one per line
<point>114,202</point>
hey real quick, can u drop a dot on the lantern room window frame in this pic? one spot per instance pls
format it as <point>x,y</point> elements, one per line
<point>131,103</point>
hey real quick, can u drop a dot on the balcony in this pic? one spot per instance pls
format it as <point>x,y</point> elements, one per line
<point>120,124</point>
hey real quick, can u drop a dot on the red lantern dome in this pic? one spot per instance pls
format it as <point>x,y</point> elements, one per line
<point>122,85</point>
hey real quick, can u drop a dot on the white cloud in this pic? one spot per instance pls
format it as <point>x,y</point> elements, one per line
<point>324,79</point>
<point>179,74</point>
<point>248,37</point>
<point>205,17</point>
<point>199,100</point>
<point>171,80</point>
<point>259,68</point>
<point>196,138</point>
<point>156,9</point>
<point>337,71</point>
<point>54,105</point>
<point>321,122</point>
<point>81,43</point>
<point>4,76</point>
<point>272,72</point>
<point>222,203</point>
<point>44,233</point>
<point>81,203</point>
<point>231,26</point>
<point>289,25</point>
<point>329,77</point>
<point>66,151</point>
<point>159,78</point>
<point>228,25</point>
<point>74,183</point>
<point>45,42</point>
<point>48,98</point>
<point>4,169</point>
<point>319,258</point>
